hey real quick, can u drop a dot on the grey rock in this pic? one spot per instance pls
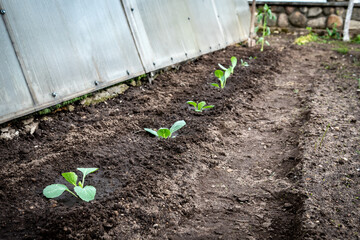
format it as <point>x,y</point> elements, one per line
<point>340,11</point>
<point>272,22</point>
<point>328,10</point>
<point>314,11</point>
<point>277,9</point>
<point>10,134</point>
<point>28,121</point>
<point>354,24</point>
<point>71,108</point>
<point>283,20</point>
<point>289,10</point>
<point>119,89</point>
<point>317,22</point>
<point>105,94</point>
<point>304,9</point>
<point>298,19</point>
<point>31,128</point>
<point>356,14</point>
<point>5,129</point>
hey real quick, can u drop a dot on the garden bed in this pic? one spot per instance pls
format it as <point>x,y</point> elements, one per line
<point>245,169</point>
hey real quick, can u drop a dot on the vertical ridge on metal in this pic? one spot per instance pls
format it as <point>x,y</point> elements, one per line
<point>65,46</point>
<point>170,31</point>
<point>14,93</point>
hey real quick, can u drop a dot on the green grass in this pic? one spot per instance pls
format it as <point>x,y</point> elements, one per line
<point>342,50</point>
<point>356,39</point>
<point>63,104</point>
<point>322,139</point>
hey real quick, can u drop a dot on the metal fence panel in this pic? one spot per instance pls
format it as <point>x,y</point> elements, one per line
<point>162,31</point>
<point>171,31</point>
<point>234,17</point>
<point>64,46</point>
<point>206,25</point>
<point>14,93</point>
<point>243,13</point>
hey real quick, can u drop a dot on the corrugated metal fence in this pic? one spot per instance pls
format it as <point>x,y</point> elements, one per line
<point>55,50</point>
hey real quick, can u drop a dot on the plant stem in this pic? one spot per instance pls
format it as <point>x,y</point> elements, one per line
<point>264,29</point>
<point>327,128</point>
<point>71,193</point>
<point>82,184</point>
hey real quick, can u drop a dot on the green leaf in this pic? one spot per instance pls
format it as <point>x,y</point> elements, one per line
<point>71,177</point>
<point>192,103</point>
<point>164,133</point>
<point>219,73</point>
<point>215,85</point>
<point>210,106</point>
<point>54,190</point>
<point>260,17</point>
<point>328,31</point>
<point>87,193</point>
<point>267,43</point>
<point>227,73</point>
<point>201,105</point>
<point>87,171</point>
<point>177,125</point>
<point>256,29</point>
<point>268,31</point>
<point>222,67</point>
<point>151,131</point>
<point>233,61</point>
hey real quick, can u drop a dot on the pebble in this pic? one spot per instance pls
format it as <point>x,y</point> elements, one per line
<point>287,205</point>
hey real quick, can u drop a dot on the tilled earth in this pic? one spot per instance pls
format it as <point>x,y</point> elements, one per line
<point>277,158</point>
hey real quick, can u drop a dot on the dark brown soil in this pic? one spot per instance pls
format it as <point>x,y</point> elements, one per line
<point>246,169</point>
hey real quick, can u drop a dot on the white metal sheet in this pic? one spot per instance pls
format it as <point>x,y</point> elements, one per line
<point>14,93</point>
<point>162,31</point>
<point>64,46</point>
<point>244,15</point>
<point>206,25</point>
<point>234,17</point>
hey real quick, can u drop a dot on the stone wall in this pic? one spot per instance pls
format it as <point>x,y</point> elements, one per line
<point>320,17</point>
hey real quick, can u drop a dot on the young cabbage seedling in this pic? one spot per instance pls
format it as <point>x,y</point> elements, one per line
<point>222,77</point>
<point>199,107</point>
<point>243,63</point>
<point>263,15</point>
<point>233,65</point>
<point>86,193</point>
<point>165,132</point>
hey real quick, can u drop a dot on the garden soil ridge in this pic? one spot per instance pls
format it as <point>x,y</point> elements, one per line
<point>246,169</point>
